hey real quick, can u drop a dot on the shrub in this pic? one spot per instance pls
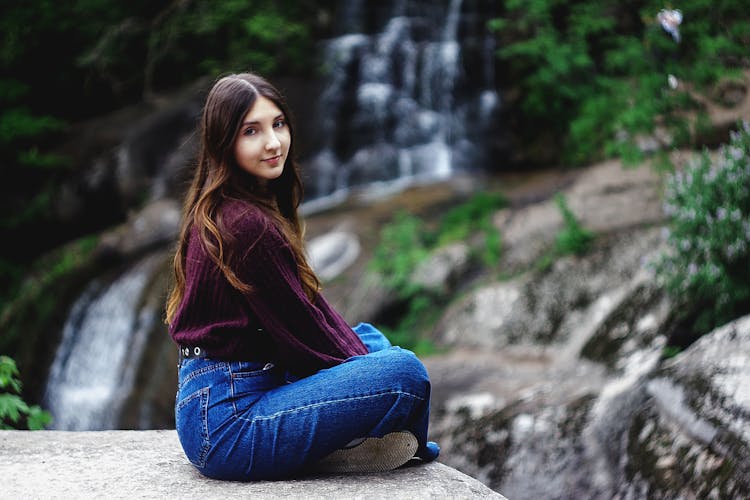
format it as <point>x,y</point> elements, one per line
<point>593,73</point>
<point>402,246</point>
<point>15,413</point>
<point>406,240</point>
<point>475,215</point>
<point>572,238</point>
<point>459,222</point>
<point>707,266</point>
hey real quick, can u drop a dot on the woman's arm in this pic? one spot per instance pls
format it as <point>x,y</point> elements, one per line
<point>309,334</point>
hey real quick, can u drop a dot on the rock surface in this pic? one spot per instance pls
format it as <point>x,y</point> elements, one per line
<point>331,253</point>
<point>645,428</point>
<point>558,371</point>
<point>553,305</point>
<point>692,437</point>
<point>150,464</point>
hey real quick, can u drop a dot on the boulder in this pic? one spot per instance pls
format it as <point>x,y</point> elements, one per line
<point>151,464</point>
<point>440,272</point>
<point>332,253</point>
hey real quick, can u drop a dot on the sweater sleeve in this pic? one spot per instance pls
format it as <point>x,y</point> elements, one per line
<point>310,335</point>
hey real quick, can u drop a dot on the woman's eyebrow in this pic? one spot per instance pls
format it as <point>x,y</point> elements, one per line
<point>256,122</point>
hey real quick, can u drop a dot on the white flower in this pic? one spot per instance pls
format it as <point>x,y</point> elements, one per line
<point>670,20</point>
<point>735,152</point>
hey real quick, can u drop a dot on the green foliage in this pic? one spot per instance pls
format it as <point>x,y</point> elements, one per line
<point>35,172</point>
<point>406,241</point>
<point>18,123</point>
<point>493,243</point>
<point>594,73</point>
<point>572,238</point>
<point>15,413</point>
<point>402,246</point>
<point>459,222</point>
<point>231,35</point>
<point>707,268</point>
<point>470,217</point>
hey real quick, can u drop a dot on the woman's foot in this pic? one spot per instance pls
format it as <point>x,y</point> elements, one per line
<point>371,455</point>
<point>430,452</point>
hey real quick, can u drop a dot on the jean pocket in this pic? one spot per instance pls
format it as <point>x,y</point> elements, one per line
<point>191,420</point>
<point>251,382</point>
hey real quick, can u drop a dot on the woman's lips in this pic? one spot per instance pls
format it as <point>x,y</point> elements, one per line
<point>273,161</point>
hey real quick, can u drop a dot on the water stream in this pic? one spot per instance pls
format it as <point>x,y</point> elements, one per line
<point>102,341</point>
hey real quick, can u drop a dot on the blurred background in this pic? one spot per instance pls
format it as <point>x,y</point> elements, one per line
<point>546,200</point>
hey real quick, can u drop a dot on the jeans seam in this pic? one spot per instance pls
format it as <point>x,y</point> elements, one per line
<point>200,371</point>
<point>323,403</point>
<point>202,395</point>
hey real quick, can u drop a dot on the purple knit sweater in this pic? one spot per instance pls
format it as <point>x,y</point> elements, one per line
<point>276,321</point>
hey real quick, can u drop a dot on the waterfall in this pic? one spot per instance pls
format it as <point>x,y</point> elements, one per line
<point>409,97</point>
<point>102,342</point>
<point>398,106</point>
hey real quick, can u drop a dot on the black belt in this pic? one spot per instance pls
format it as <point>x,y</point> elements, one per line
<point>192,352</point>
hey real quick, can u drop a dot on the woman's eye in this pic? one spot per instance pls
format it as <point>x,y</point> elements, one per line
<point>279,123</point>
<point>249,131</point>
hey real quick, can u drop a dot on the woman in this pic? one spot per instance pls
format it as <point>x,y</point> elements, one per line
<point>272,381</point>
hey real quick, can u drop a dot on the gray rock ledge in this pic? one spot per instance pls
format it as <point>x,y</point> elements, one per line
<point>150,464</point>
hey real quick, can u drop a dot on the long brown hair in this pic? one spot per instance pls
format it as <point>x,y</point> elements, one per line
<point>218,178</point>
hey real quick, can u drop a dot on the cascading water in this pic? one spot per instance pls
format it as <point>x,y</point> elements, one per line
<point>102,341</point>
<point>400,105</point>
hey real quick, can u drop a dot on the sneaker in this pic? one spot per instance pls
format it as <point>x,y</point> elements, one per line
<point>372,455</point>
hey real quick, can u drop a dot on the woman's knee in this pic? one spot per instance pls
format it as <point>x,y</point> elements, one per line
<point>402,366</point>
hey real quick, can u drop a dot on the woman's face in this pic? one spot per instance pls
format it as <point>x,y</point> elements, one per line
<point>262,145</point>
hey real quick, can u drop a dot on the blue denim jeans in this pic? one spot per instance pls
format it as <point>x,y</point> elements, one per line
<point>250,421</point>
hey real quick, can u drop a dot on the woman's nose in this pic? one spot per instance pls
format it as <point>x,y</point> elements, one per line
<point>273,142</point>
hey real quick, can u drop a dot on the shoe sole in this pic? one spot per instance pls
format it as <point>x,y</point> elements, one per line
<point>373,455</point>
